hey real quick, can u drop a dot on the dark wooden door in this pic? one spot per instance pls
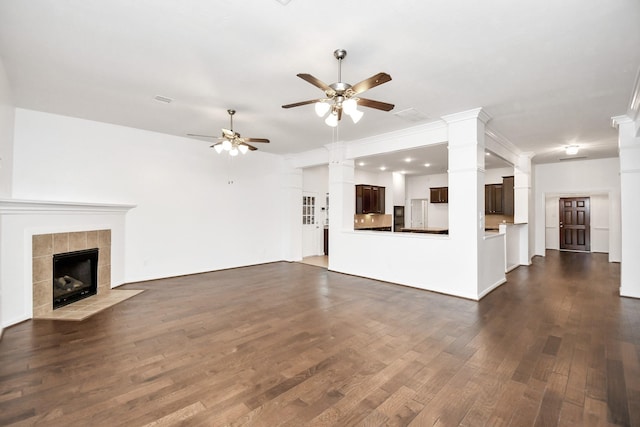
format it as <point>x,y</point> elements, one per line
<point>575,230</point>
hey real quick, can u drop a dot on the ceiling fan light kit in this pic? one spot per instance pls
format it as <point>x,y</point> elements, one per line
<point>341,97</point>
<point>231,141</point>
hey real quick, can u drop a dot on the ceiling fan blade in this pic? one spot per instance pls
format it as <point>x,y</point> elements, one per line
<point>378,105</point>
<point>371,82</point>
<point>217,143</point>
<point>314,81</point>
<point>249,146</point>
<point>201,136</point>
<point>297,104</point>
<point>256,139</point>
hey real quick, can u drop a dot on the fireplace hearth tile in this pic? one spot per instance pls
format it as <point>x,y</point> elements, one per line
<point>42,245</point>
<point>60,243</point>
<point>42,269</point>
<point>77,241</point>
<point>92,239</point>
<point>87,307</point>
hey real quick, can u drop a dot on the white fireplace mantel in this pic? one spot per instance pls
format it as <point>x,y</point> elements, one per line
<point>20,220</point>
<point>15,206</point>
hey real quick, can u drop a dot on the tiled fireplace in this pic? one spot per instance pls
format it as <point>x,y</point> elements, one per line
<point>44,246</point>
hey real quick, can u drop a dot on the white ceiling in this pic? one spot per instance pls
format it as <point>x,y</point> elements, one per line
<point>549,73</point>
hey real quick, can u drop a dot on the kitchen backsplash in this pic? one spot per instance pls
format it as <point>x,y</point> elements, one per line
<point>493,220</point>
<point>371,220</point>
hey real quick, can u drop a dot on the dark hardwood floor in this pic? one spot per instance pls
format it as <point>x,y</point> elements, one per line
<point>292,344</point>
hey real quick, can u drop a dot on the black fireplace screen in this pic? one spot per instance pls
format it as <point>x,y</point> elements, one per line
<point>75,276</point>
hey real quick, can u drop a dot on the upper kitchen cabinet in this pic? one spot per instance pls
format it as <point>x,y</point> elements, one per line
<point>439,194</point>
<point>498,198</point>
<point>507,195</point>
<point>370,199</point>
<point>493,199</point>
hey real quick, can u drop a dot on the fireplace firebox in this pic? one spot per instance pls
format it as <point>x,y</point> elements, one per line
<point>75,276</point>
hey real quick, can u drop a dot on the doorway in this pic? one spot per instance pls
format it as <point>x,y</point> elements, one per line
<point>419,208</point>
<point>575,227</point>
<point>311,232</point>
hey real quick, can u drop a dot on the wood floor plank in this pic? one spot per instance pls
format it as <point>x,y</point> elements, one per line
<point>287,344</point>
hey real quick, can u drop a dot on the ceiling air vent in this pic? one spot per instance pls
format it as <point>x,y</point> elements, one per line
<point>164,99</point>
<point>572,158</point>
<point>411,115</point>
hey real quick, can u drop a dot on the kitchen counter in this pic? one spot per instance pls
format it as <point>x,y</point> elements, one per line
<point>373,229</point>
<point>430,230</point>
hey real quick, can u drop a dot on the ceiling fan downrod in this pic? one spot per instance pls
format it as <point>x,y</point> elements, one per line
<point>231,113</point>
<point>340,54</point>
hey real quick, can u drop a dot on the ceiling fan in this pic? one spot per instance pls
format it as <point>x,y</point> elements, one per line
<point>342,97</point>
<point>232,141</point>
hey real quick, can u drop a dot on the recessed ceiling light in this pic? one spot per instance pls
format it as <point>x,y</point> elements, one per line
<point>361,164</point>
<point>572,150</point>
<point>487,153</point>
<point>426,165</point>
<point>383,168</point>
<point>408,160</point>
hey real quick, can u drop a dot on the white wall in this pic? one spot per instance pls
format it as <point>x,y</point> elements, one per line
<point>417,187</point>
<point>399,189</point>
<point>7,112</point>
<point>494,176</point>
<point>598,179</point>
<point>196,210</point>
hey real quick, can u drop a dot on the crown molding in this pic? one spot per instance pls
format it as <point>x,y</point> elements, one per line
<point>634,103</point>
<point>476,113</point>
<point>16,207</point>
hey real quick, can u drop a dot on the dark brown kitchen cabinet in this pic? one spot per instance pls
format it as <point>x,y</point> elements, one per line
<point>507,195</point>
<point>439,194</point>
<point>493,199</point>
<point>370,199</point>
<point>499,198</point>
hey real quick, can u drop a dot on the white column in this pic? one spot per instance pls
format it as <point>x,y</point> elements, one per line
<point>629,143</point>
<point>341,197</point>
<point>466,190</point>
<point>524,207</point>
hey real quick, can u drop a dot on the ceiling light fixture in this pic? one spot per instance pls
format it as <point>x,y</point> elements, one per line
<point>383,168</point>
<point>571,150</point>
<point>408,159</point>
<point>231,141</point>
<point>426,165</point>
<point>342,97</point>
